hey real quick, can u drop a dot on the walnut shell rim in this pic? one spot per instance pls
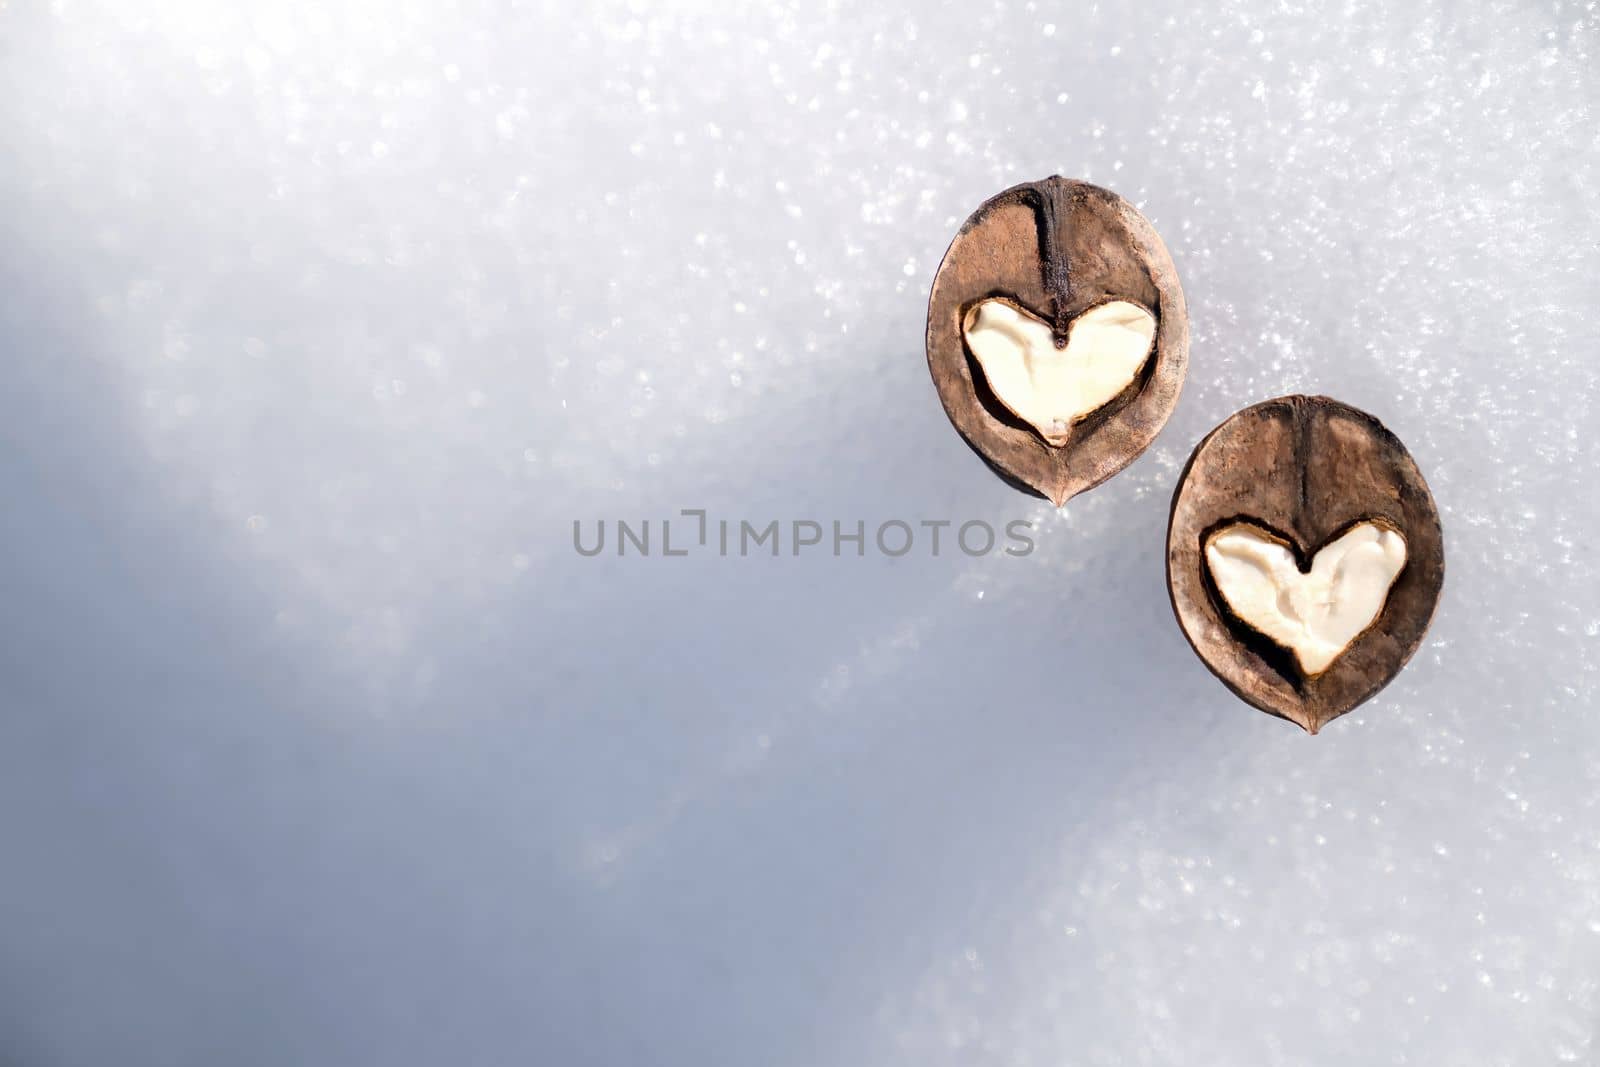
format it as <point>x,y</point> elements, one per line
<point>1086,247</point>
<point>1307,467</point>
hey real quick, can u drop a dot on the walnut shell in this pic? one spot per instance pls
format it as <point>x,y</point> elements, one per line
<point>1057,248</point>
<point>1308,469</point>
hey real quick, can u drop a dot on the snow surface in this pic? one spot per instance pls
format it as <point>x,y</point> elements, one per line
<point>322,322</point>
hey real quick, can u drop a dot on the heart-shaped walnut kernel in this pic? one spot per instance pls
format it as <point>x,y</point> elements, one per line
<point>1304,556</point>
<point>1313,613</point>
<point>1057,335</point>
<point>1053,386</point>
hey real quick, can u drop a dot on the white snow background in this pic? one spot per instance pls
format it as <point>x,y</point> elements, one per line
<point>321,322</point>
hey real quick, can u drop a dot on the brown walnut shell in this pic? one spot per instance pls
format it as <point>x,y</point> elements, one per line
<point>1057,248</point>
<point>1307,469</point>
